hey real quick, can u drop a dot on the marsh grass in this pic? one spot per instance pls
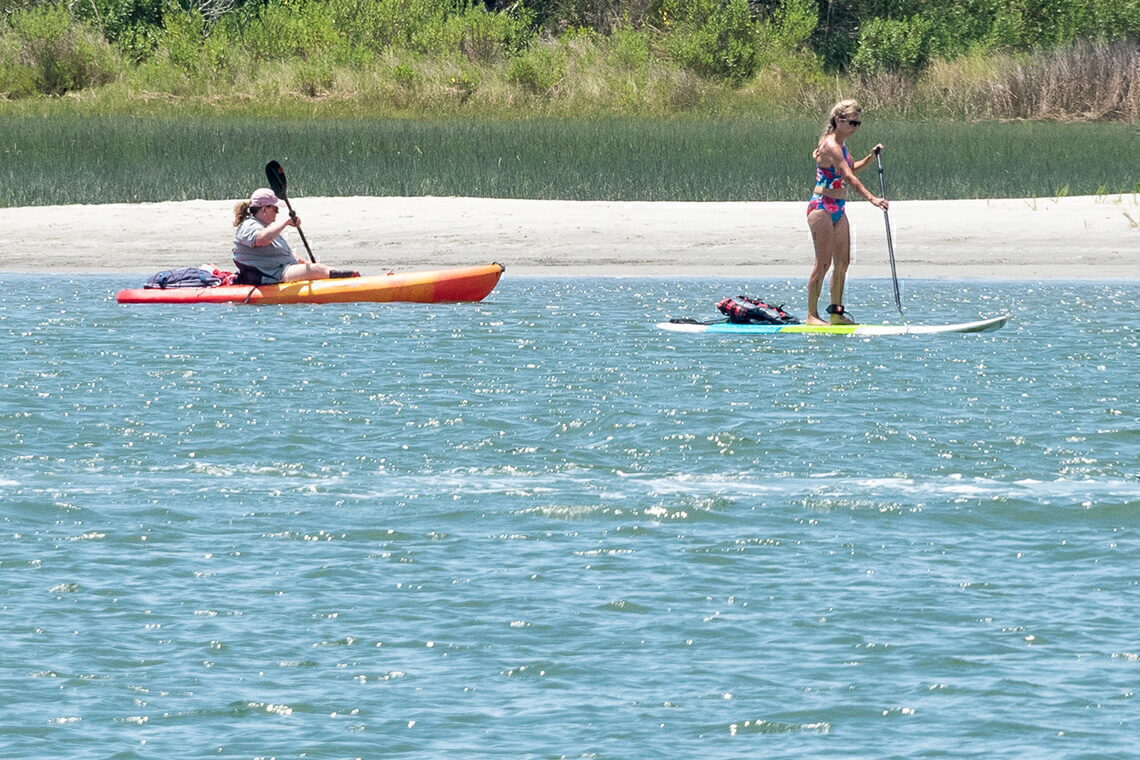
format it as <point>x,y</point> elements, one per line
<point>1091,80</point>
<point>1087,81</point>
<point>598,77</point>
<point>105,159</point>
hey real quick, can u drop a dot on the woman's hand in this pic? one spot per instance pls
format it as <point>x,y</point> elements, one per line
<point>879,202</point>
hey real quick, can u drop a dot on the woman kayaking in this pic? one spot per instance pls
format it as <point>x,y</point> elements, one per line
<point>830,230</point>
<point>262,254</point>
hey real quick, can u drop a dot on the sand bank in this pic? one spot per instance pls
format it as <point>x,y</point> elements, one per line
<point>1080,237</point>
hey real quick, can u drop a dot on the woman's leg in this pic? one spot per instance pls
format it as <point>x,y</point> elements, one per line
<point>840,261</point>
<point>305,271</point>
<point>823,236</point>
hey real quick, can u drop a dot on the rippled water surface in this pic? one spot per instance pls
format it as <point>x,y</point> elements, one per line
<point>538,527</point>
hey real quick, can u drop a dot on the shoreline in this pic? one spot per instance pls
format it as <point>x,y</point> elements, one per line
<point>1086,237</point>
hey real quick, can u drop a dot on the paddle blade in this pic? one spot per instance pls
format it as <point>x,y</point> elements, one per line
<point>276,176</point>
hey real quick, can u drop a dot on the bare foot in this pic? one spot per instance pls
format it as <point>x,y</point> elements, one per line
<point>842,319</point>
<point>814,320</point>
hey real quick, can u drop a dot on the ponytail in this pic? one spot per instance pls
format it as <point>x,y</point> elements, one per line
<point>840,110</point>
<point>241,212</point>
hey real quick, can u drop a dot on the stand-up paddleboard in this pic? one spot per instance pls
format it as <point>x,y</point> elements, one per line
<point>729,328</point>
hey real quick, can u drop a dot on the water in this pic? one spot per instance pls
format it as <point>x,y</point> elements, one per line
<point>538,527</point>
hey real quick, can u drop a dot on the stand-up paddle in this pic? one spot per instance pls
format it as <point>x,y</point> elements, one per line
<point>276,176</point>
<point>890,244</point>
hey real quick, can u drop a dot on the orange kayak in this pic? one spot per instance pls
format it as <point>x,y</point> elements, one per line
<point>435,286</point>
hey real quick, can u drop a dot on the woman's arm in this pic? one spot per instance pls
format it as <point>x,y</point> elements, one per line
<point>860,165</point>
<point>271,231</point>
<point>849,178</point>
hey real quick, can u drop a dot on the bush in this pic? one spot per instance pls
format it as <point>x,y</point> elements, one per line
<point>539,69</point>
<point>186,41</point>
<point>282,32</point>
<point>380,25</point>
<point>44,50</point>
<point>17,79</point>
<point>714,38</point>
<point>794,21</point>
<point>629,49</point>
<point>463,84</point>
<point>475,34</point>
<point>896,47</point>
<point>315,78</point>
<point>129,25</point>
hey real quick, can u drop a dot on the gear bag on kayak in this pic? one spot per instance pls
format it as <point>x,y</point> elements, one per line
<point>185,277</point>
<point>754,311</point>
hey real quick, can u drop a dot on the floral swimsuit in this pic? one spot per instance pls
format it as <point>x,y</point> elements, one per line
<point>827,177</point>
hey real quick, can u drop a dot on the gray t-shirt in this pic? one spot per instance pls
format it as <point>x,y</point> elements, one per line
<point>270,260</point>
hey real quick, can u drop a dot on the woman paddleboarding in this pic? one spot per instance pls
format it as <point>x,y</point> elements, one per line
<point>830,230</point>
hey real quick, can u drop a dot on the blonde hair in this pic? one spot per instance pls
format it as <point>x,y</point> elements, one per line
<point>241,212</point>
<point>840,110</point>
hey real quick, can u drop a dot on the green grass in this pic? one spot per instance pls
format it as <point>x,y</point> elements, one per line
<point>62,159</point>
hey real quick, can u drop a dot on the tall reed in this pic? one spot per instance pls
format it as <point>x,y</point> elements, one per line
<point>1090,80</point>
<point>103,159</point>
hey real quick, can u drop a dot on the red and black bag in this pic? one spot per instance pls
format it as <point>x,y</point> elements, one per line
<point>755,312</point>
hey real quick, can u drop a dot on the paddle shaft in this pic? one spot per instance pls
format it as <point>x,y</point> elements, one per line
<point>890,243</point>
<point>301,232</point>
<point>276,176</point>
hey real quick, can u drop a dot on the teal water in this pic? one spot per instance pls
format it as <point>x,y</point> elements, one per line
<point>538,527</point>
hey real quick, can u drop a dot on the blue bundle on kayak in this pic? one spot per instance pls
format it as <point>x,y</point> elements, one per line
<point>186,277</point>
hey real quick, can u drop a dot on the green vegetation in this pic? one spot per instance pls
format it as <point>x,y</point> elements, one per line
<point>148,100</point>
<point>80,158</point>
<point>973,59</point>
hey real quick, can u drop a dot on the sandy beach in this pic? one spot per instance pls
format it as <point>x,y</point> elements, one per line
<point>1059,238</point>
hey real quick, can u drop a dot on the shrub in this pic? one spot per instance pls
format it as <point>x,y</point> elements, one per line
<point>477,35</point>
<point>281,32</point>
<point>539,69</point>
<point>794,21</point>
<point>314,78</point>
<point>887,45</point>
<point>17,79</point>
<point>714,38</point>
<point>186,41</point>
<point>629,49</point>
<point>44,50</point>
<point>603,16</point>
<point>463,84</point>
<point>406,76</point>
<point>130,25</point>
<point>379,25</point>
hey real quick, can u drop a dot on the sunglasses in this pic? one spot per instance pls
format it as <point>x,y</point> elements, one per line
<point>852,122</point>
